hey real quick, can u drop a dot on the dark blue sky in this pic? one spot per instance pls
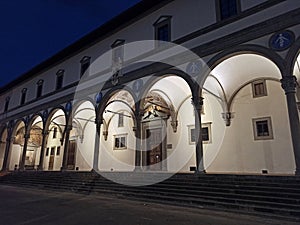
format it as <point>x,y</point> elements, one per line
<point>33,30</point>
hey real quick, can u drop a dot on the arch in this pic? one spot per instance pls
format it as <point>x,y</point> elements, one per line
<point>3,143</point>
<point>78,103</point>
<point>16,124</point>
<point>16,149</point>
<point>111,93</point>
<point>161,75</point>
<point>33,118</point>
<point>52,112</point>
<point>292,56</point>
<point>241,149</point>
<point>3,127</point>
<point>247,49</point>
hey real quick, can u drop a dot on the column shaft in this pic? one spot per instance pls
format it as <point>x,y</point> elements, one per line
<point>66,148</point>
<point>97,147</point>
<point>198,103</point>
<point>22,163</point>
<point>5,166</point>
<point>138,144</point>
<point>289,85</point>
<point>42,156</point>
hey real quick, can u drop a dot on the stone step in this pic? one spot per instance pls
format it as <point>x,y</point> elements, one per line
<point>277,196</point>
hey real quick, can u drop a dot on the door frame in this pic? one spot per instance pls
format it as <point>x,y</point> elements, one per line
<point>155,123</point>
<point>69,166</point>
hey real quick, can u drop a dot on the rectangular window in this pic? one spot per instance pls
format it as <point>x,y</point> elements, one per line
<point>85,64</point>
<point>259,88</point>
<point>120,142</point>
<point>262,128</point>
<point>121,120</point>
<point>163,33</point>
<point>52,151</point>
<point>59,82</point>
<point>228,8</point>
<point>59,79</point>
<point>58,150</point>
<point>206,133</point>
<point>6,104</point>
<point>23,96</point>
<point>163,29</point>
<point>47,151</point>
<point>55,132</point>
<point>39,91</point>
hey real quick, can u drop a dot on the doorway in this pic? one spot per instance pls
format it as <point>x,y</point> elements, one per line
<point>51,159</point>
<point>154,148</point>
<point>71,155</point>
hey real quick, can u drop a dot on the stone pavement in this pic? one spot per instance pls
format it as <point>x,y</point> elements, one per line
<point>26,206</point>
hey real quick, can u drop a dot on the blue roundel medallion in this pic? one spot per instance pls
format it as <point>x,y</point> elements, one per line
<point>98,97</point>
<point>282,40</point>
<point>69,107</point>
<point>194,68</point>
<point>137,85</point>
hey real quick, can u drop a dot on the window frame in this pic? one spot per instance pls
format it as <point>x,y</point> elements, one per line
<point>52,151</point>
<point>120,119</point>
<point>161,22</point>
<point>204,125</point>
<point>7,100</point>
<point>58,151</point>
<point>59,77</point>
<point>265,92</point>
<point>119,136</point>
<point>39,90</point>
<point>270,128</point>
<point>55,130</point>
<point>86,60</point>
<point>23,96</point>
<point>219,11</point>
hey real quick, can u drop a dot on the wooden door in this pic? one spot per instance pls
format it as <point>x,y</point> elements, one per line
<point>51,159</point>
<point>154,148</point>
<point>71,155</point>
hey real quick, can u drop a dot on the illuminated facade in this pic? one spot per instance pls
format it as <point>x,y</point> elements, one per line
<point>145,117</point>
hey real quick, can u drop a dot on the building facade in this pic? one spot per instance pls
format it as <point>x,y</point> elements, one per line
<point>170,86</point>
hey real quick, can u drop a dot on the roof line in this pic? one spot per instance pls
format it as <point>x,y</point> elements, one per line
<point>122,20</point>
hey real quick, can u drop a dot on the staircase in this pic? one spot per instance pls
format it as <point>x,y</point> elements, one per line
<point>271,196</point>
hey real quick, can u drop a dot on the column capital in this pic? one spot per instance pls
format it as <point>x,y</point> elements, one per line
<point>289,84</point>
<point>197,102</point>
<point>228,116</point>
<point>139,115</point>
<point>26,136</point>
<point>69,128</point>
<point>174,124</point>
<point>99,121</point>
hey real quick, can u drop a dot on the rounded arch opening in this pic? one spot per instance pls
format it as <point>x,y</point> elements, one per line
<point>245,93</point>
<point>55,129</point>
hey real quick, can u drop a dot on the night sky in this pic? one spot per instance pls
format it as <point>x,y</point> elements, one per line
<point>33,30</point>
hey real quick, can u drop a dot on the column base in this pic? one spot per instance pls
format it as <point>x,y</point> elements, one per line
<point>137,169</point>
<point>200,172</point>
